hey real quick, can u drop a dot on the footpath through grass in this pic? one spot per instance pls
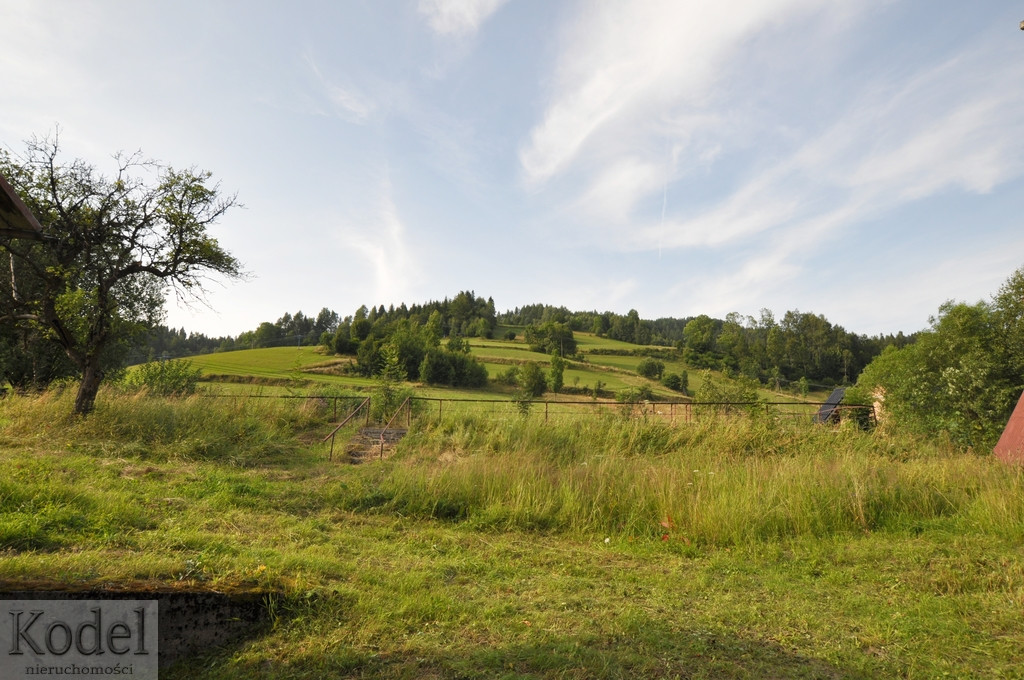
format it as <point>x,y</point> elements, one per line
<point>510,548</point>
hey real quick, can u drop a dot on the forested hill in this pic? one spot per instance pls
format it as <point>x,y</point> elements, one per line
<point>798,345</point>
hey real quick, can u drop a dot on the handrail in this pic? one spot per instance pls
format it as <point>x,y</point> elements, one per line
<point>388,424</point>
<point>342,424</point>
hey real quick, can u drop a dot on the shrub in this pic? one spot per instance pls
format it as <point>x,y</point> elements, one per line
<point>651,368</point>
<point>634,394</point>
<point>175,377</point>
<point>442,367</point>
<point>509,376</point>
<point>678,382</point>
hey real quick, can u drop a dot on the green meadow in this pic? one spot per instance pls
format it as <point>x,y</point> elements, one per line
<point>281,370</point>
<point>505,545</point>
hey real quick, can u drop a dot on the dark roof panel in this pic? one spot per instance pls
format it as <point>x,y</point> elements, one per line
<point>16,220</point>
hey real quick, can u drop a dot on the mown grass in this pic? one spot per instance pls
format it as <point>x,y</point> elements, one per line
<point>507,547</point>
<point>269,361</point>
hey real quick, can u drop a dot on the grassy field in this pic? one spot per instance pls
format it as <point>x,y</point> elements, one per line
<point>511,547</point>
<point>309,369</point>
<point>280,369</point>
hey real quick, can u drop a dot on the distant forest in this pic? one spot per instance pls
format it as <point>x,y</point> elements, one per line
<point>797,345</point>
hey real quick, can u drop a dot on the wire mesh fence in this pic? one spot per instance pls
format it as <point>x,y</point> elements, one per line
<point>671,412</point>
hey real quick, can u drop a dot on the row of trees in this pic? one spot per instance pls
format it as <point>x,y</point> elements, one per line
<point>799,345</point>
<point>465,315</point>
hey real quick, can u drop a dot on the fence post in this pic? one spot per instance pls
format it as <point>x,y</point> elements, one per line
<point>545,411</point>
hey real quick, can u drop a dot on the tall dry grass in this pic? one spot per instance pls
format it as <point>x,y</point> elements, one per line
<point>716,481</point>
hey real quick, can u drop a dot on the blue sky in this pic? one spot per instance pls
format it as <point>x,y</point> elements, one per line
<point>862,160</point>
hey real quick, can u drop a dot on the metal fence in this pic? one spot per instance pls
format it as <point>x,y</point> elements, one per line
<point>672,412</point>
<point>667,411</point>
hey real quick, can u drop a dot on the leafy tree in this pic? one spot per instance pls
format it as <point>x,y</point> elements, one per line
<point>551,336</point>
<point>650,368</point>
<point>116,245</point>
<point>342,342</point>
<point>557,372</point>
<point>457,343</point>
<point>803,386</point>
<point>388,395</point>
<point>699,334</point>
<point>369,360</point>
<point>678,382</point>
<point>326,322</point>
<point>1008,306</point>
<point>531,379</point>
<point>962,376</point>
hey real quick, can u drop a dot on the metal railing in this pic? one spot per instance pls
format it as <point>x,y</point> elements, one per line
<point>407,405</point>
<point>668,411</point>
<point>364,404</point>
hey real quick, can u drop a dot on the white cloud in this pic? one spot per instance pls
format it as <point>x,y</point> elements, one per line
<point>458,18</point>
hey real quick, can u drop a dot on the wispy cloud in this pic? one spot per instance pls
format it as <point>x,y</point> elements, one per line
<point>344,101</point>
<point>379,237</point>
<point>458,18</point>
<point>625,65</point>
<point>655,100</point>
<point>938,131</point>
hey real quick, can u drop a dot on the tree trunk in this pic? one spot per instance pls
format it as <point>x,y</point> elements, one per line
<point>92,376</point>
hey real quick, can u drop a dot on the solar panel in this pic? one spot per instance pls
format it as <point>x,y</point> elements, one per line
<point>828,409</point>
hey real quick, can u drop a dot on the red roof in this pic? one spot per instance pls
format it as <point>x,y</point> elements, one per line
<point>1011,445</point>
